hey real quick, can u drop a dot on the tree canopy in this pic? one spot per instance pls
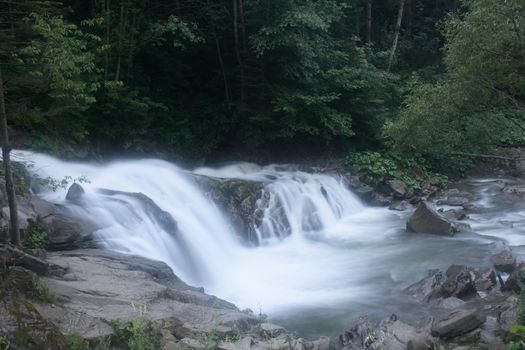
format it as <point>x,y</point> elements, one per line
<point>192,77</point>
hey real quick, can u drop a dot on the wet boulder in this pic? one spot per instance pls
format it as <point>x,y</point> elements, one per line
<point>426,220</point>
<point>243,201</point>
<point>75,192</point>
<point>457,323</point>
<point>399,189</point>
<point>459,282</point>
<point>389,334</point>
<point>518,190</point>
<point>68,231</point>
<point>504,261</point>
<point>515,281</point>
<point>399,205</point>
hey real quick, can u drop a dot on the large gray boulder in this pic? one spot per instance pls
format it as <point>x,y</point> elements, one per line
<point>68,231</point>
<point>426,220</point>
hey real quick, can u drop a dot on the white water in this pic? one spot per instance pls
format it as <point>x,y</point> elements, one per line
<point>307,268</point>
<point>324,257</point>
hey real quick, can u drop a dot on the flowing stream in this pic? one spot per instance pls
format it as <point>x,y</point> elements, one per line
<point>324,258</point>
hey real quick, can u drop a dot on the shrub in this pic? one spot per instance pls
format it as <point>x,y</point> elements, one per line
<point>36,236</point>
<point>40,291</point>
<point>376,168</point>
<point>76,342</point>
<point>136,334</point>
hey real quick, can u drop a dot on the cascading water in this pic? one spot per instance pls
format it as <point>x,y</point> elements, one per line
<point>294,202</point>
<point>324,257</point>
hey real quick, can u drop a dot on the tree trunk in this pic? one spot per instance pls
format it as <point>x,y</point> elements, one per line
<point>369,22</point>
<point>223,70</point>
<point>238,50</point>
<point>10,19</point>
<point>106,56</point>
<point>93,8</point>
<point>410,17</point>
<point>396,37</point>
<point>243,24</point>
<point>120,38</point>
<point>9,185</point>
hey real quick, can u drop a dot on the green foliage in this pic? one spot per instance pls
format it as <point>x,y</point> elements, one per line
<point>521,302</point>
<point>35,236</point>
<point>517,338</point>
<point>4,344</point>
<point>40,291</point>
<point>478,104</point>
<point>136,334</point>
<point>515,345</point>
<point>44,143</point>
<point>76,342</point>
<point>177,78</point>
<point>376,168</point>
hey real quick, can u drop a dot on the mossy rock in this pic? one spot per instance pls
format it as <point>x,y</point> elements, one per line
<point>27,329</point>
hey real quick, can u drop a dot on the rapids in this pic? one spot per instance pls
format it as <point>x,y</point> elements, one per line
<point>324,258</point>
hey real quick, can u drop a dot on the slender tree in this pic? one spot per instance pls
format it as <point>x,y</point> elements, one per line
<point>396,37</point>
<point>369,22</point>
<point>9,185</point>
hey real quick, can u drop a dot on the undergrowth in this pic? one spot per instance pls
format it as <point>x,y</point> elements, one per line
<point>136,334</point>
<point>36,236</point>
<point>40,291</point>
<point>375,168</point>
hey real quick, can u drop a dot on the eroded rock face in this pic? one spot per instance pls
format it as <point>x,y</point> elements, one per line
<point>426,220</point>
<point>240,200</point>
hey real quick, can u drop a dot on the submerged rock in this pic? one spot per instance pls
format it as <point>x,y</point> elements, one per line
<point>162,217</point>
<point>427,220</point>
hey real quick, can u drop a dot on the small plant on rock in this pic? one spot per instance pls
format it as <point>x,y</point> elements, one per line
<point>76,342</point>
<point>40,291</point>
<point>4,344</point>
<point>136,334</point>
<point>36,236</point>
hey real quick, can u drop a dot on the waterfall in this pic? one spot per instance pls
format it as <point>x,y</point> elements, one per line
<point>308,224</point>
